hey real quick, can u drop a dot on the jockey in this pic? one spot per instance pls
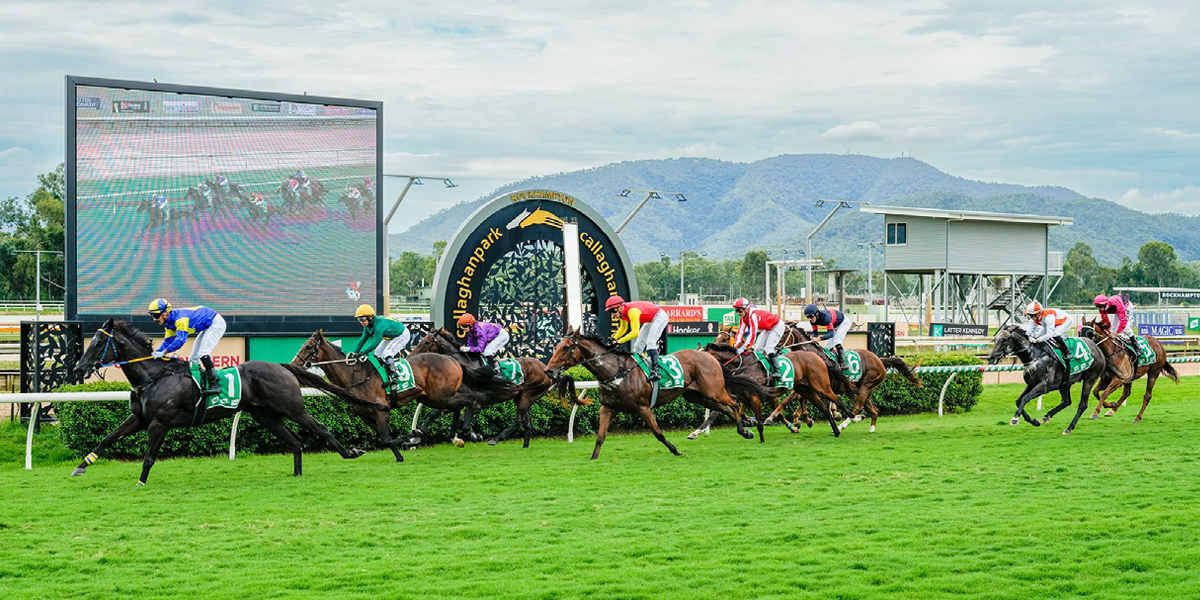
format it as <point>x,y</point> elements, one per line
<point>224,183</point>
<point>754,321</point>
<point>200,320</point>
<point>835,323</point>
<point>387,337</point>
<point>1049,325</point>
<point>354,194</point>
<point>484,338</point>
<point>633,315</point>
<point>300,176</point>
<point>1115,305</point>
<point>369,184</point>
<point>161,203</point>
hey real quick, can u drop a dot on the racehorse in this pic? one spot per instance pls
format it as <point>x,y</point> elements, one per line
<point>626,388</point>
<point>164,396</point>
<point>351,203</point>
<point>1044,372</point>
<point>536,381</point>
<point>439,381</point>
<point>1122,368</point>
<point>811,380</point>
<point>874,371</point>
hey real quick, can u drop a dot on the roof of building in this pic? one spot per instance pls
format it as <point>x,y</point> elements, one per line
<point>967,215</point>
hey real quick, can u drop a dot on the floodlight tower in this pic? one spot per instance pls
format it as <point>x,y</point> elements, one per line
<point>387,271</point>
<point>808,271</point>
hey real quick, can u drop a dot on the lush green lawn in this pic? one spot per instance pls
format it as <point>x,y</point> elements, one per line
<point>959,506</point>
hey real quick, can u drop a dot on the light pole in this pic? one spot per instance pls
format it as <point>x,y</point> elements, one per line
<point>387,270</point>
<point>36,407</point>
<point>681,275</point>
<point>808,271</point>
<point>649,194</point>
<point>870,246</point>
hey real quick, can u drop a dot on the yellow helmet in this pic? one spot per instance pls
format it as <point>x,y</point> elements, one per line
<point>366,310</point>
<point>158,306</point>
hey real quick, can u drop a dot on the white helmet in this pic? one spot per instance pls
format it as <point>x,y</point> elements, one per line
<point>1033,308</point>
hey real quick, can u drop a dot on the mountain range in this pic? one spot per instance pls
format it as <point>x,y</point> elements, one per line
<point>770,204</point>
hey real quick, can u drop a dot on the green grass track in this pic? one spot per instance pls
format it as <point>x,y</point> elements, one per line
<point>927,507</point>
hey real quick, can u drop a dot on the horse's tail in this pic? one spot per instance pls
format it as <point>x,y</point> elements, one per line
<point>744,388</point>
<point>483,379</point>
<point>311,380</point>
<point>897,363</point>
<point>1170,371</point>
<point>564,388</point>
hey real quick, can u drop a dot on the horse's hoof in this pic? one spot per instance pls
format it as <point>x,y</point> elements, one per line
<point>857,418</point>
<point>1066,432</point>
<point>1136,421</point>
<point>1014,421</point>
<point>140,483</point>
<point>1095,416</point>
<point>1037,423</point>
<point>872,430</point>
<point>475,437</point>
<point>693,435</point>
<point>80,470</point>
<point>1045,420</point>
<point>1110,413</point>
<point>458,442</point>
<point>493,442</point>
<point>408,446</point>
<point>748,435</point>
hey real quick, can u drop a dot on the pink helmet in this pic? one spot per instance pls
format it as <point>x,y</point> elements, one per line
<point>1100,299</point>
<point>741,303</point>
<point>614,302</point>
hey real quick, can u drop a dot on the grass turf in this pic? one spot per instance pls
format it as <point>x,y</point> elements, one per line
<point>927,507</point>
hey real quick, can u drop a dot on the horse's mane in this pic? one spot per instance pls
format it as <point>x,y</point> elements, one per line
<point>713,346</point>
<point>603,342</point>
<point>128,330</point>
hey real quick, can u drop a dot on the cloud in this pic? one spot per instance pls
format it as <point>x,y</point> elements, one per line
<point>858,131</point>
<point>697,150</point>
<point>1184,200</point>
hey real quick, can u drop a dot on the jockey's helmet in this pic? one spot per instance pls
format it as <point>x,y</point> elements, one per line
<point>1100,299</point>
<point>466,319</point>
<point>614,302</point>
<point>1033,308</point>
<point>365,310</point>
<point>741,303</point>
<point>158,306</point>
<point>811,311</point>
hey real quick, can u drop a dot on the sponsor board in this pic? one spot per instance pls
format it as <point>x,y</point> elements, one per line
<point>724,315</point>
<point>181,106</point>
<point>88,103</point>
<point>944,329</point>
<point>265,107</point>
<point>684,313</point>
<point>226,108</point>
<point>336,111</point>
<point>131,106</point>
<point>1179,295</point>
<point>1194,323</point>
<point>302,109</point>
<point>694,328</point>
<point>365,111</point>
<point>1160,330</point>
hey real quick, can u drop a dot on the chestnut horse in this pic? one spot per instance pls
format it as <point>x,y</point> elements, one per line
<point>438,385</point>
<point>624,386</point>
<point>536,381</point>
<point>811,381</point>
<point>874,371</point>
<point>1123,368</point>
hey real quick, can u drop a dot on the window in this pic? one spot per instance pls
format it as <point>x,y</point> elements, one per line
<point>897,234</point>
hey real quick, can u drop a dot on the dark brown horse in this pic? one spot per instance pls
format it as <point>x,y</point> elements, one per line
<point>874,371</point>
<point>164,396</point>
<point>536,381</point>
<point>810,383</point>
<point>1123,368</point>
<point>439,385</point>
<point>624,386</point>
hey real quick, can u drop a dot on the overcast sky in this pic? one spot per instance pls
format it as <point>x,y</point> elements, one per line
<point>1097,96</point>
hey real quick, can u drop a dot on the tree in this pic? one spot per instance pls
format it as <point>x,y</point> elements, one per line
<point>752,274</point>
<point>37,223</point>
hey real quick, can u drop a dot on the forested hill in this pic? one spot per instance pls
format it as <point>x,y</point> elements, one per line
<point>769,204</point>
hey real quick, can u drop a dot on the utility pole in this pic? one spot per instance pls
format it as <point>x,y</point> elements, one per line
<point>870,246</point>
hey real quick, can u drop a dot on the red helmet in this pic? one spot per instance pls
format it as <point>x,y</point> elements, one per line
<point>741,303</point>
<point>614,302</point>
<point>466,319</point>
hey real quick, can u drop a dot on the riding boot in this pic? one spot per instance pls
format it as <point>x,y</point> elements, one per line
<point>654,375</point>
<point>393,375</point>
<point>1062,344</point>
<point>841,356</point>
<point>496,367</point>
<point>773,373</point>
<point>210,377</point>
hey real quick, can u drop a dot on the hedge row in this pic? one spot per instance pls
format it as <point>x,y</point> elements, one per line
<point>84,424</point>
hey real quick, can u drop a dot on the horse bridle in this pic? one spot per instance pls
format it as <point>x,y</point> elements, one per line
<point>621,370</point>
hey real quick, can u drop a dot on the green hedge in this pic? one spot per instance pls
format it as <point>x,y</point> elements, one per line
<point>896,396</point>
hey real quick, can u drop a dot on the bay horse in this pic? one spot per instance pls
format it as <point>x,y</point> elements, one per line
<point>874,371</point>
<point>624,386</point>
<point>439,385</point>
<point>1123,368</point>
<point>1044,373</point>
<point>164,396</point>
<point>536,381</point>
<point>810,383</point>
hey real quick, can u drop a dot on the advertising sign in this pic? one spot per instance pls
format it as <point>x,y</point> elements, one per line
<point>226,108</point>
<point>1179,295</point>
<point>684,313</point>
<point>131,106</point>
<point>302,109</point>
<point>265,107</point>
<point>1160,330</point>
<point>88,102</point>
<point>694,328</point>
<point>181,106</point>
<point>1194,323</point>
<point>944,329</point>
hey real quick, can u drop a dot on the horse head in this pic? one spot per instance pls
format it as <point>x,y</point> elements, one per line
<point>439,341</point>
<point>1011,339</point>
<point>114,341</point>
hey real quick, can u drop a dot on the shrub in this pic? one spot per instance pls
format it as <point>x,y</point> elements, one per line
<point>897,396</point>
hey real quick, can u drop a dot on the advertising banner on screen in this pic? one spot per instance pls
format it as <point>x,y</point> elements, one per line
<point>1160,330</point>
<point>684,313</point>
<point>254,216</point>
<point>302,109</point>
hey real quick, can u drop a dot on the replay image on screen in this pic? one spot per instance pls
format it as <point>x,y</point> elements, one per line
<point>249,206</point>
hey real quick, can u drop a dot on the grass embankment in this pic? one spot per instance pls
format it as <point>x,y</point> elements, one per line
<point>927,507</point>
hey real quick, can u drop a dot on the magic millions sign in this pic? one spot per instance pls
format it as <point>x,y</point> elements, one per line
<point>504,264</point>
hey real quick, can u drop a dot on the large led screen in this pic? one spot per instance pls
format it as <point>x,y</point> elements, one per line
<point>249,205</point>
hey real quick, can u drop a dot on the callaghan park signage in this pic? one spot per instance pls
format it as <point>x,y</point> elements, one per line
<point>512,220</point>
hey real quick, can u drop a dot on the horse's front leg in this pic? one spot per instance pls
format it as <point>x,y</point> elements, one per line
<point>132,425</point>
<point>1036,389</point>
<point>158,433</point>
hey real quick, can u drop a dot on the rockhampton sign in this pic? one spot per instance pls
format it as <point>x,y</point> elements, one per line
<point>504,223</point>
